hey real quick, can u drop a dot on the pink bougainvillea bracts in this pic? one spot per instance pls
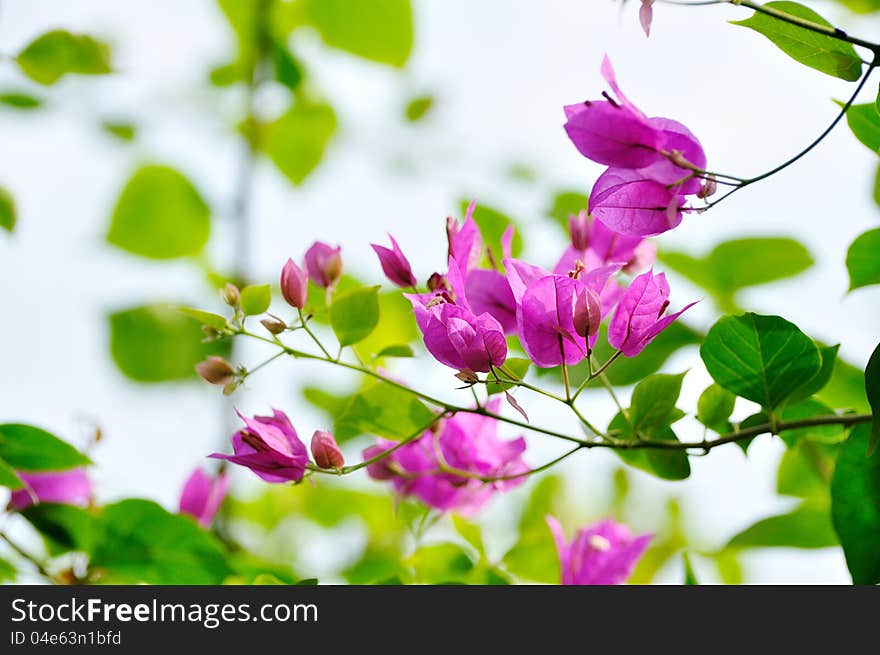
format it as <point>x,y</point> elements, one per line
<point>202,496</point>
<point>71,487</point>
<point>323,263</point>
<point>395,265</point>
<point>295,284</point>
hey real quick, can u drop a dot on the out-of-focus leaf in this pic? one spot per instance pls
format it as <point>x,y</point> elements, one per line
<point>714,408</point>
<point>396,350</point>
<point>517,366</point>
<point>441,564</point>
<point>823,53</point>
<point>729,568</point>
<point>383,410</point>
<point>822,378</point>
<point>418,107</point>
<point>332,404</point>
<point>534,556</point>
<point>392,334</point>
<point>862,260</point>
<point>354,314</point>
<point>29,448</point>
<point>160,215</point>
<point>157,343</point>
<point>255,299</point>
<point>20,100</point>
<point>855,506</point>
<point>565,204</point>
<point>819,433</point>
<point>8,214</point>
<point>864,121</point>
<point>805,471</point>
<point>138,541</point>
<point>205,318</point>
<point>296,140</point>
<point>55,54</point>
<point>690,578</point>
<point>122,130</point>
<point>806,526</point>
<point>470,532</point>
<point>8,477</point>
<point>872,390</point>
<point>63,527</point>
<point>378,30</point>
<point>762,358</point>
<point>7,571</point>
<point>377,565</point>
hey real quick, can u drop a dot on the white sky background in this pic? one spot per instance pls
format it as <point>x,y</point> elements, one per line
<point>502,70</point>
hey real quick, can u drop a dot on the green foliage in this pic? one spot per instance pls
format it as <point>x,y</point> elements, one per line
<point>8,477</point>
<point>492,224</point>
<point>255,299</point>
<point>845,388</point>
<point>8,572</point>
<point>714,408</point>
<point>862,261</point>
<point>872,390</point>
<point>534,556</point>
<point>29,448</point>
<point>8,213</point>
<point>391,336</point>
<point>418,107</point>
<point>384,410</point>
<point>157,343</point>
<point>64,528</point>
<point>296,140</point>
<point>354,314</point>
<point>762,358</point>
<point>138,541</point>
<point>823,53</point>
<point>160,215</point>
<point>805,471</point>
<point>517,367</point>
<point>205,318</point>
<point>20,100</point>
<point>55,54</point>
<point>819,381</point>
<point>864,121</point>
<point>378,30</point>
<point>690,578</point>
<point>122,130</point>
<point>805,409</point>
<point>734,265</point>
<point>855,506</point>
<point>807,526</point>
<point>565,204</point>
<point>470,532</point>
<point>442,563</point>
<point>396,350</point>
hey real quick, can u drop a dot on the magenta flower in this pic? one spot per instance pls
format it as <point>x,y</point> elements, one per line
<point>639,317</point>
<point>545,311</point>
<point>71,487</point>
<point>489,293</point>
<point>613,133</point>
<point>602,554</point>
<point>202,496</point>
<point>269,446</point>
<point>646,15</point>
<point>452,333</point>
<point>430,468</point>
<point>465,240</point>
<point>295,284</point>
<point>594,245</point>
<point>395,265</point>
<point>326,451</point>
<point>323,263</point>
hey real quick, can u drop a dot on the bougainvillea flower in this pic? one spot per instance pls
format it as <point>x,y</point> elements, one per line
<point>202,496</point>
<point>466,443</point>
<point>639,317</point>
<point>594,244</point>
<point>488,292</point>
<point>613,134</point>
<point>323,263</point>
<point>395,265</point>
<point>603,554</point>
<point>680,140</point>
<point>71,487</point>
<point>270,447</point>
<point>295,284</point>
<point>629,203</point>
<point>465,240</point>
<point>326,451</point>
<point>646,15</point>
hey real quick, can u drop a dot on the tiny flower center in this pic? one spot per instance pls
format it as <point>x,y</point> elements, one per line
<point>600,543</point>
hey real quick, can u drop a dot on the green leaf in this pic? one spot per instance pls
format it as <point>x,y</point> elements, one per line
<point>296,140</point>
<point>288,71</point>
<point>28,448</point>
<point>741,263</point>
<point>160,215</point>
<point>714,408</point>
<point>470,532</point>
<point>8,213</point>
<point>384,410</point>
<point>855,506</point>
<point>492,224</point>
<point>653,404</point>
<point>819,381</point>
<point>864,121</point>
<point>534,556</point>
<point>872,390</point>
<point>804,527</point>
<point>378,30</point>
<point>441,563</point>
<point>762,358</point>
<point>877,186</point>
<point>418,107</point>
<point>19,100</point>
<point>845,388</point>
<point>565,204</point>
<point>805,471</point>
<point>8,477</point>
<point>64,528</point>
<point>255,299</point>
<point>141,542</point>
<point>665,464</point>
<point>7,571</point>
<point>805,409</point>
<point>690,578</point>
<point>354,314</point>
<point>398,350</point>
<point>55,54</point>
<point>205,318</point>
<point>823,53</point>
<point>122,130</point>
<point>157,343</point>
<point>862,260</point>
<point>517,366</point>
<point>395,331</point>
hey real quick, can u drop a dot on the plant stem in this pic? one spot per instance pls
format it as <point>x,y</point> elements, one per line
<point>41,568</point>
<point>305,326</point>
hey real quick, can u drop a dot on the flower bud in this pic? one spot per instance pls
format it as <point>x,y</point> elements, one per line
<point>324,264</point>
<point>326,451</point>
<point>230,294</point>
<point>273,325</point>
<point>216,370</point>
<point>587,313</point>
<point>579,228</point>
<point>395,265</point>
<point>294,284</point>
<point>710,186</point>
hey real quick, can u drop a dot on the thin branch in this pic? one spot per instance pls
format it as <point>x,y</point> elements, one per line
<point>41,568</point>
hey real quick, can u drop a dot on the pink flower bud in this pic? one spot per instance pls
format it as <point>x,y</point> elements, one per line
<point>230,294</point>
<point>326,451</point>
<point>710,186</point>
<point>587,313</point>
<point>395,265</point>
<point>202,496</point>
<point>294,284</point>
<point>216,370</point>
<point>324,263</point>
<point>579,228</point>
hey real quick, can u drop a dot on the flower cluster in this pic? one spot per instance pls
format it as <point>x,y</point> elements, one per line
<point>654,164</point>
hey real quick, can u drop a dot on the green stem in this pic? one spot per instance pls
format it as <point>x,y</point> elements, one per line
<point>41,568</point>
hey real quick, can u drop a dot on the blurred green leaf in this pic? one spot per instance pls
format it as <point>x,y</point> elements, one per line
<point>729,568</point>
<point>714,408</point>
<point>653,403</point>
<point>492,224</point>
<point>398,350</point>
<point>820,433</point>
<point>762,358</point>
<point>565,204</point>
<point>823,53</point>
<point>517,366</point>
<point>418,107</point>
<point>29,448</point>
<point>382,410</point>
<point>8,477</point>
<point>441,563</point>
<point>872,390</point>
<point>864,121</point>
<point>20,100</point>
<point>735,265</point>
<point>8,213</point>
<point>861,6</point>
<point>7,571</point>
<point>354,314</point>
<point>122,130</point>
<point>378,30</point>
<point>288,70</point>
<point>255,299</point>
<point>806,526</point>
<point>160,215</point>
<point>855,506</point>
<point>805,471</point>
<point>296,140</point>
<point>157,343</point>
<point>470,532</point>
<point>534,556</point>
<point>139,541</point>
<point>376,565</point>
<point>690,578</point>
<point>64,528</point>
<point>862,260</point>
<point>396,329</point>
<point>205,318</point>
<point>332,404</point>
<point>55,54</point>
